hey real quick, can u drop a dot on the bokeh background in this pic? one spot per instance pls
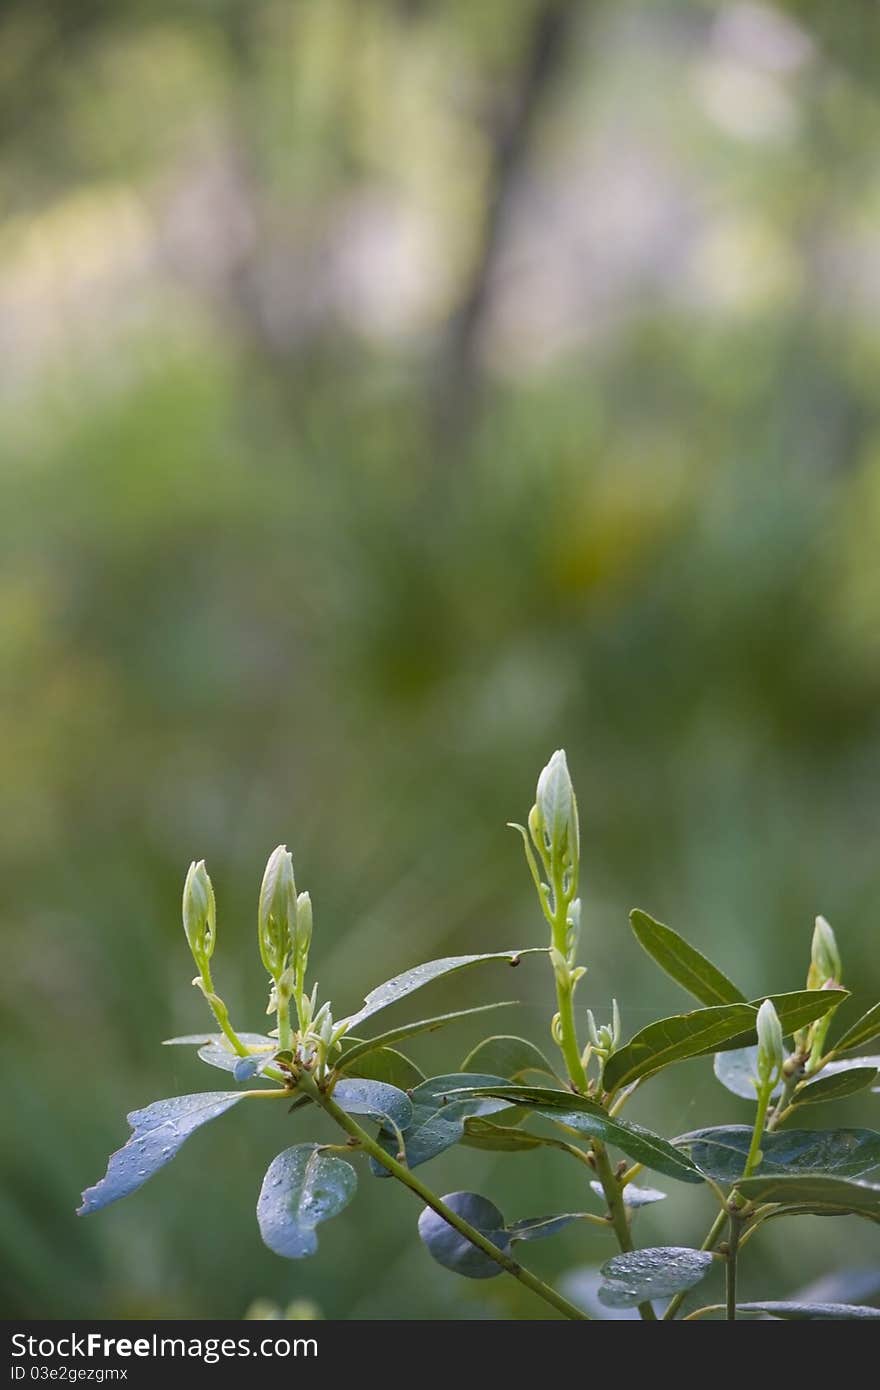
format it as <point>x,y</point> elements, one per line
<point>392,392</point>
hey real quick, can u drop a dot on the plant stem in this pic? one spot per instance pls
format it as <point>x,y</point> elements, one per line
<point>221,1013</point>
<point>730,1265</point>
<point>568,1041</point>
<point>708,1244</point>
<point>617,1211</point>
<point>464,1228</point>
<point>754,1155</point>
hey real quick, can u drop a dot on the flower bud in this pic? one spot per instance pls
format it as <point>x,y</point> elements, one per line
<point>199,913</point>
<point>277,912</point>
<point>557,809</point>
<point>771,1049</point>
<point>302,935</point>
<point>825,964</point>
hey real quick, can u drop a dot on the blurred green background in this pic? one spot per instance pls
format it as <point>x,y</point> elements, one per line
<point>393,392</point>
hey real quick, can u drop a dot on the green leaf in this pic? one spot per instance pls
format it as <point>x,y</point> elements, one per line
<point>738,1072</point>
<point>797,1008</point>
<point>656,1272</point>
<point>386,1064</point>
<point>376,1099</point>
<point>507,1056</point>
<point>483,1134</point>
<point>809,1312</point>
<point>634,1196</point>
<point>157,1133</point>
<point>845,1083</point>
<point>454,1251</point>
<point>721,1152</point>
<point>814,1190</point>
<point>864,1030</point>
<point>364,1047</point>
<point>438,1117</point>
<point>687,966</point>
<point>303,1187</point>
<point>411,980</point>
<point>215,1049</point>
<point>673,1040</point>
<point>587,1117</point>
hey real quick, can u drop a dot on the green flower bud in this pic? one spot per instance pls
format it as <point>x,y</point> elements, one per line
<point>302,935</point>
<point>771,1049</point>
<point>199,913</point>
<point>557,810</point>
<point>277,912</point>
<point>825,961</point>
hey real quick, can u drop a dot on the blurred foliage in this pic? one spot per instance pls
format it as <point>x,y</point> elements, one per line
<point>392,392</point>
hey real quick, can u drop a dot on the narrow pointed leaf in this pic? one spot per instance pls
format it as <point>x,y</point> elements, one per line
<point>673,1040</point>
<point>507,1056</point>
<point>812,1312</point>
<point>158,1132</point>
<point>411,980</point>
<point>540,1227</point>
<point>864,1030</point>
<point>215,1049</point>
<point>721,1152</point>
<point>376,1099</point>
<point>633,1196</point>
<point>797,1008</point>
<point>844,1083</point>
<point>738,1072</point>
<point>385,1064</point>
<point>483,1134</point>
<point>452,1250</point>
<point>587,1117</point>
<point>302,1188</point>
<point>687,966</point>
<point>438,1117</point>
<point>814,1189</point>
<point>364,1047</point>
<point>641,1275</point>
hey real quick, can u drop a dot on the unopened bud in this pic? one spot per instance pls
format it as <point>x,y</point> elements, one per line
<point>199,913</point>
<point>276,920</point>
<point>825,963</point>
<point>557,810</point>
<point>302,936</point>
<point>771,1049</point>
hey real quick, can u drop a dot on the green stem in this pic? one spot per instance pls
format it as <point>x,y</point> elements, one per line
<point>285,1036</point>
<point>221,1013</point>
<point>568,1040</point>
<point>464,1228</point>
<point>708,1244</point>
<point>754,1155</point>
<point>730,1265</point>
<point>617,1211</point>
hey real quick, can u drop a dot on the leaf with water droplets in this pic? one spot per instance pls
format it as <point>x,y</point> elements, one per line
<point>633,1196</point>
<point>721,1152</point>
<point>738,1073</point>
<point>641,1275</point>
<point>585,1116</point>
<point>158,1133</point>
<point>814,1190</point>
<point>438,1118</point>
<point>813,1312</point>
<point>508,1056</point>
<point>303,1186</point>
<point>455,1251</point>
<point>215,1049</point>
<point>411,980</point>
<point>376,1099</point>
